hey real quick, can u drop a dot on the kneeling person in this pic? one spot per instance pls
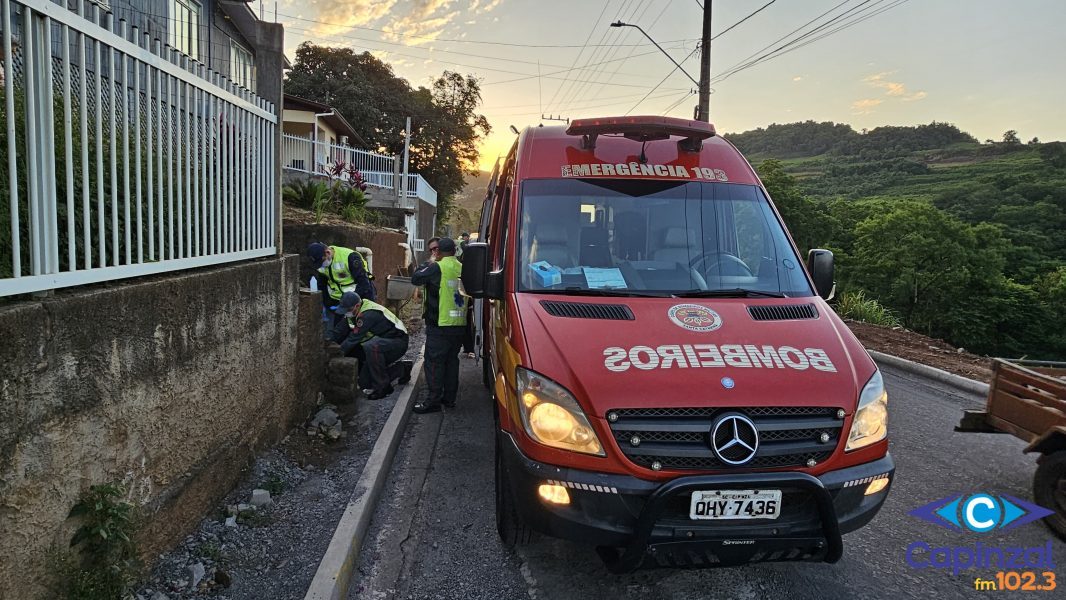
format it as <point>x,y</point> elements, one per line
<point>371,333</point>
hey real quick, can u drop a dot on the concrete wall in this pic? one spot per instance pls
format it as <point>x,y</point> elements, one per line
<point>388,255</point>
<point>170,385</point>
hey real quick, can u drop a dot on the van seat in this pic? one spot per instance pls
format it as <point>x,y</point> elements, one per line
<point>676,247</point>
<point>550,244</point>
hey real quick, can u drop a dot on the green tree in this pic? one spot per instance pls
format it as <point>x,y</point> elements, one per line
<point>808,221</point>
<point>445,125</point>
<point>919,261</point>
<point>1011,137</point>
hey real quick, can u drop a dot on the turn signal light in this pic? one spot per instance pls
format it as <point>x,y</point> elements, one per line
<point>876,486</point>
<point>554,494</point>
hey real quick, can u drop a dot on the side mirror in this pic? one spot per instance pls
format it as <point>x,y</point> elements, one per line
<point>820,266</point>
<point>477,280</point>
<point>475,268</point>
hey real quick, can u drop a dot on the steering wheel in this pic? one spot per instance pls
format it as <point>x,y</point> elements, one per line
<point>733,264</point>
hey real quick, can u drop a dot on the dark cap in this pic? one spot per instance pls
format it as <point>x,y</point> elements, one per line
<point>464,234</point>
<point>317,253</point>
<point>446,245</point>
<point>349,300</point>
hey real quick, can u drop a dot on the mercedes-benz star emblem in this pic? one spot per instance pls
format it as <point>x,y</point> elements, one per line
<point>734,439</point>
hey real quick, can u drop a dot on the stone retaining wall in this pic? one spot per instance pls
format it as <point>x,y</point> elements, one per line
<point>169,385</point>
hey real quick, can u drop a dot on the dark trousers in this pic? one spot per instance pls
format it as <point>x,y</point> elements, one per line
<point>442,363</point>
<point>378,362</point>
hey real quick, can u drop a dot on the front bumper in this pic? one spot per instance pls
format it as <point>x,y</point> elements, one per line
<point>639,524</point>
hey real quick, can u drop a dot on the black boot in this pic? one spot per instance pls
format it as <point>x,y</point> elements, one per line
<point>380,394</point>
<point>406,377</point>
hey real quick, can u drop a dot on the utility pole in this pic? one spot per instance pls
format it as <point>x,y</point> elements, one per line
<point>703,113</point>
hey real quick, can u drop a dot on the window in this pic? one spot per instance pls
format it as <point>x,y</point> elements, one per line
<point>241,66</point>
<point>185,27</point>
<point>659,237</point>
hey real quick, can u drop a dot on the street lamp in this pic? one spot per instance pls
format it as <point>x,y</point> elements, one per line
<point>678,65</point>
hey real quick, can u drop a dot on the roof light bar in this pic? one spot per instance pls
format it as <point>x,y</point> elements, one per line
<point>642,129</point>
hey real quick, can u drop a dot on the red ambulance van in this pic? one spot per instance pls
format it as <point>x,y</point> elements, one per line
<point>670,384</point>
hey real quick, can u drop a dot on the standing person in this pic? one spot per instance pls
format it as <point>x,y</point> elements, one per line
<point>444,309</point>
<point>374,335</point>
<point>340,270</point>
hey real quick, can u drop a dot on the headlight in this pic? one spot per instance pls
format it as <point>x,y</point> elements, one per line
<point>552,416</point>
<point>870,424</point>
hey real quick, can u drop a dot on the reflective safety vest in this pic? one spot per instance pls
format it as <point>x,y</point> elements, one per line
<point>338,277</point>
<point>451,310</point>
<point>371,305</point>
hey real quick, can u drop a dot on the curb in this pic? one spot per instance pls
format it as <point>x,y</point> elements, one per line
<point>957,381</point>
<point>335,570</point>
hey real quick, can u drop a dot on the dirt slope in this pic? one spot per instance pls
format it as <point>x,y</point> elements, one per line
<point>919,348</point>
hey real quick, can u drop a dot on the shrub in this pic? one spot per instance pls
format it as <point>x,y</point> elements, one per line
<point>855,305</point>
<point>106,563</point>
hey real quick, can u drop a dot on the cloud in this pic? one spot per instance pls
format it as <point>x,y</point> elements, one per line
<point>340,16</point>
<point>894,89</point>
<point>865,106</point>
<point>483,6</point>
<point>423,23</point>
<point>797,78</point>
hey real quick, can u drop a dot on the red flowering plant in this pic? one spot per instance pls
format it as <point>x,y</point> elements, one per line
<point>347,190</point>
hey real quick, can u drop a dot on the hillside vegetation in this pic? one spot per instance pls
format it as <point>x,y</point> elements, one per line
<point>958,240</point>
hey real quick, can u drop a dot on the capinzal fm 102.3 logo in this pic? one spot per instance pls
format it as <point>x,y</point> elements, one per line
<point>979,513</point>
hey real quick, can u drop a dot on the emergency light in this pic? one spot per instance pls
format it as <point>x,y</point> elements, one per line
<point>643,129</point>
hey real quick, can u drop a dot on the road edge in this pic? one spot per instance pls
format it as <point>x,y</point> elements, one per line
<point>335,570</point>
<point>957,381</point>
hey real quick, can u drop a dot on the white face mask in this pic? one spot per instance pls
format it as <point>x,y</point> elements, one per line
<point>327,262</point>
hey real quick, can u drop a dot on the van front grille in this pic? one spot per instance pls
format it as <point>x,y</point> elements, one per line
<point>785,312</point>
<point>679,438</point>
<point>586,310</point>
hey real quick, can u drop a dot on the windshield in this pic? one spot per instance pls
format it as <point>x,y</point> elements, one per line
<point>660,237</point>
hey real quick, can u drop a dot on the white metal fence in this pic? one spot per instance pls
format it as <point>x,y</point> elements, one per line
<point>122,158</point>
<point>417,187</point>
<point>308,156</point>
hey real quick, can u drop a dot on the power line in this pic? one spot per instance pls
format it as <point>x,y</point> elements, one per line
<point>437,39</point>
<point>618,67</point>
<point>580,52</point>
<point>567,70</point>
<point>727,29</point>
<point>481,67</point>
<point>721,33</point>
<point>661,82</point>
<point>610,53</point>
<point>855,19</point>
<point>566,88</point>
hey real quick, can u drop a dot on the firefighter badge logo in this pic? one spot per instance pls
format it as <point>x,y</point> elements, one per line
<point>694,317</point>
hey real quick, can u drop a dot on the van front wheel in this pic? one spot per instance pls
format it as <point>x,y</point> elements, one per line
<point>508,524</point>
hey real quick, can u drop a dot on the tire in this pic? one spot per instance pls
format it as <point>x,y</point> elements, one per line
<point>508,523</point>
<point>1049,490</point>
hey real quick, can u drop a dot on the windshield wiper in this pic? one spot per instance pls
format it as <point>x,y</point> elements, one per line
<point>574,291</point>
<point>730,293</point>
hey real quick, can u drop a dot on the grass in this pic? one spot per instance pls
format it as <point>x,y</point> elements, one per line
<point>274,484</point>
<point>856,306</point>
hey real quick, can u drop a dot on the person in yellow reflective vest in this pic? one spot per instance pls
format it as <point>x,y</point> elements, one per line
<point>340,270</point>
<point>444,309</point>
<point>374,335</point>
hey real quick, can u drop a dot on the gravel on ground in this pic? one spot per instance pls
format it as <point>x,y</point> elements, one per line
<point>273,551</point>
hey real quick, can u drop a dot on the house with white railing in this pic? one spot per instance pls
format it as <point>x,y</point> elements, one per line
<point>316,135</point>
<point>139,137</point>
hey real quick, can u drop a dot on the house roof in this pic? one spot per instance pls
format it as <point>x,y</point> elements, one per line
<point>336,120</point>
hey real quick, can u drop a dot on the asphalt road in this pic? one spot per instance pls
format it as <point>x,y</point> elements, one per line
<point>434,532</point>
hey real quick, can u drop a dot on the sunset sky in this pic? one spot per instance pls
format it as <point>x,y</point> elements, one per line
<point>985,66</point>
